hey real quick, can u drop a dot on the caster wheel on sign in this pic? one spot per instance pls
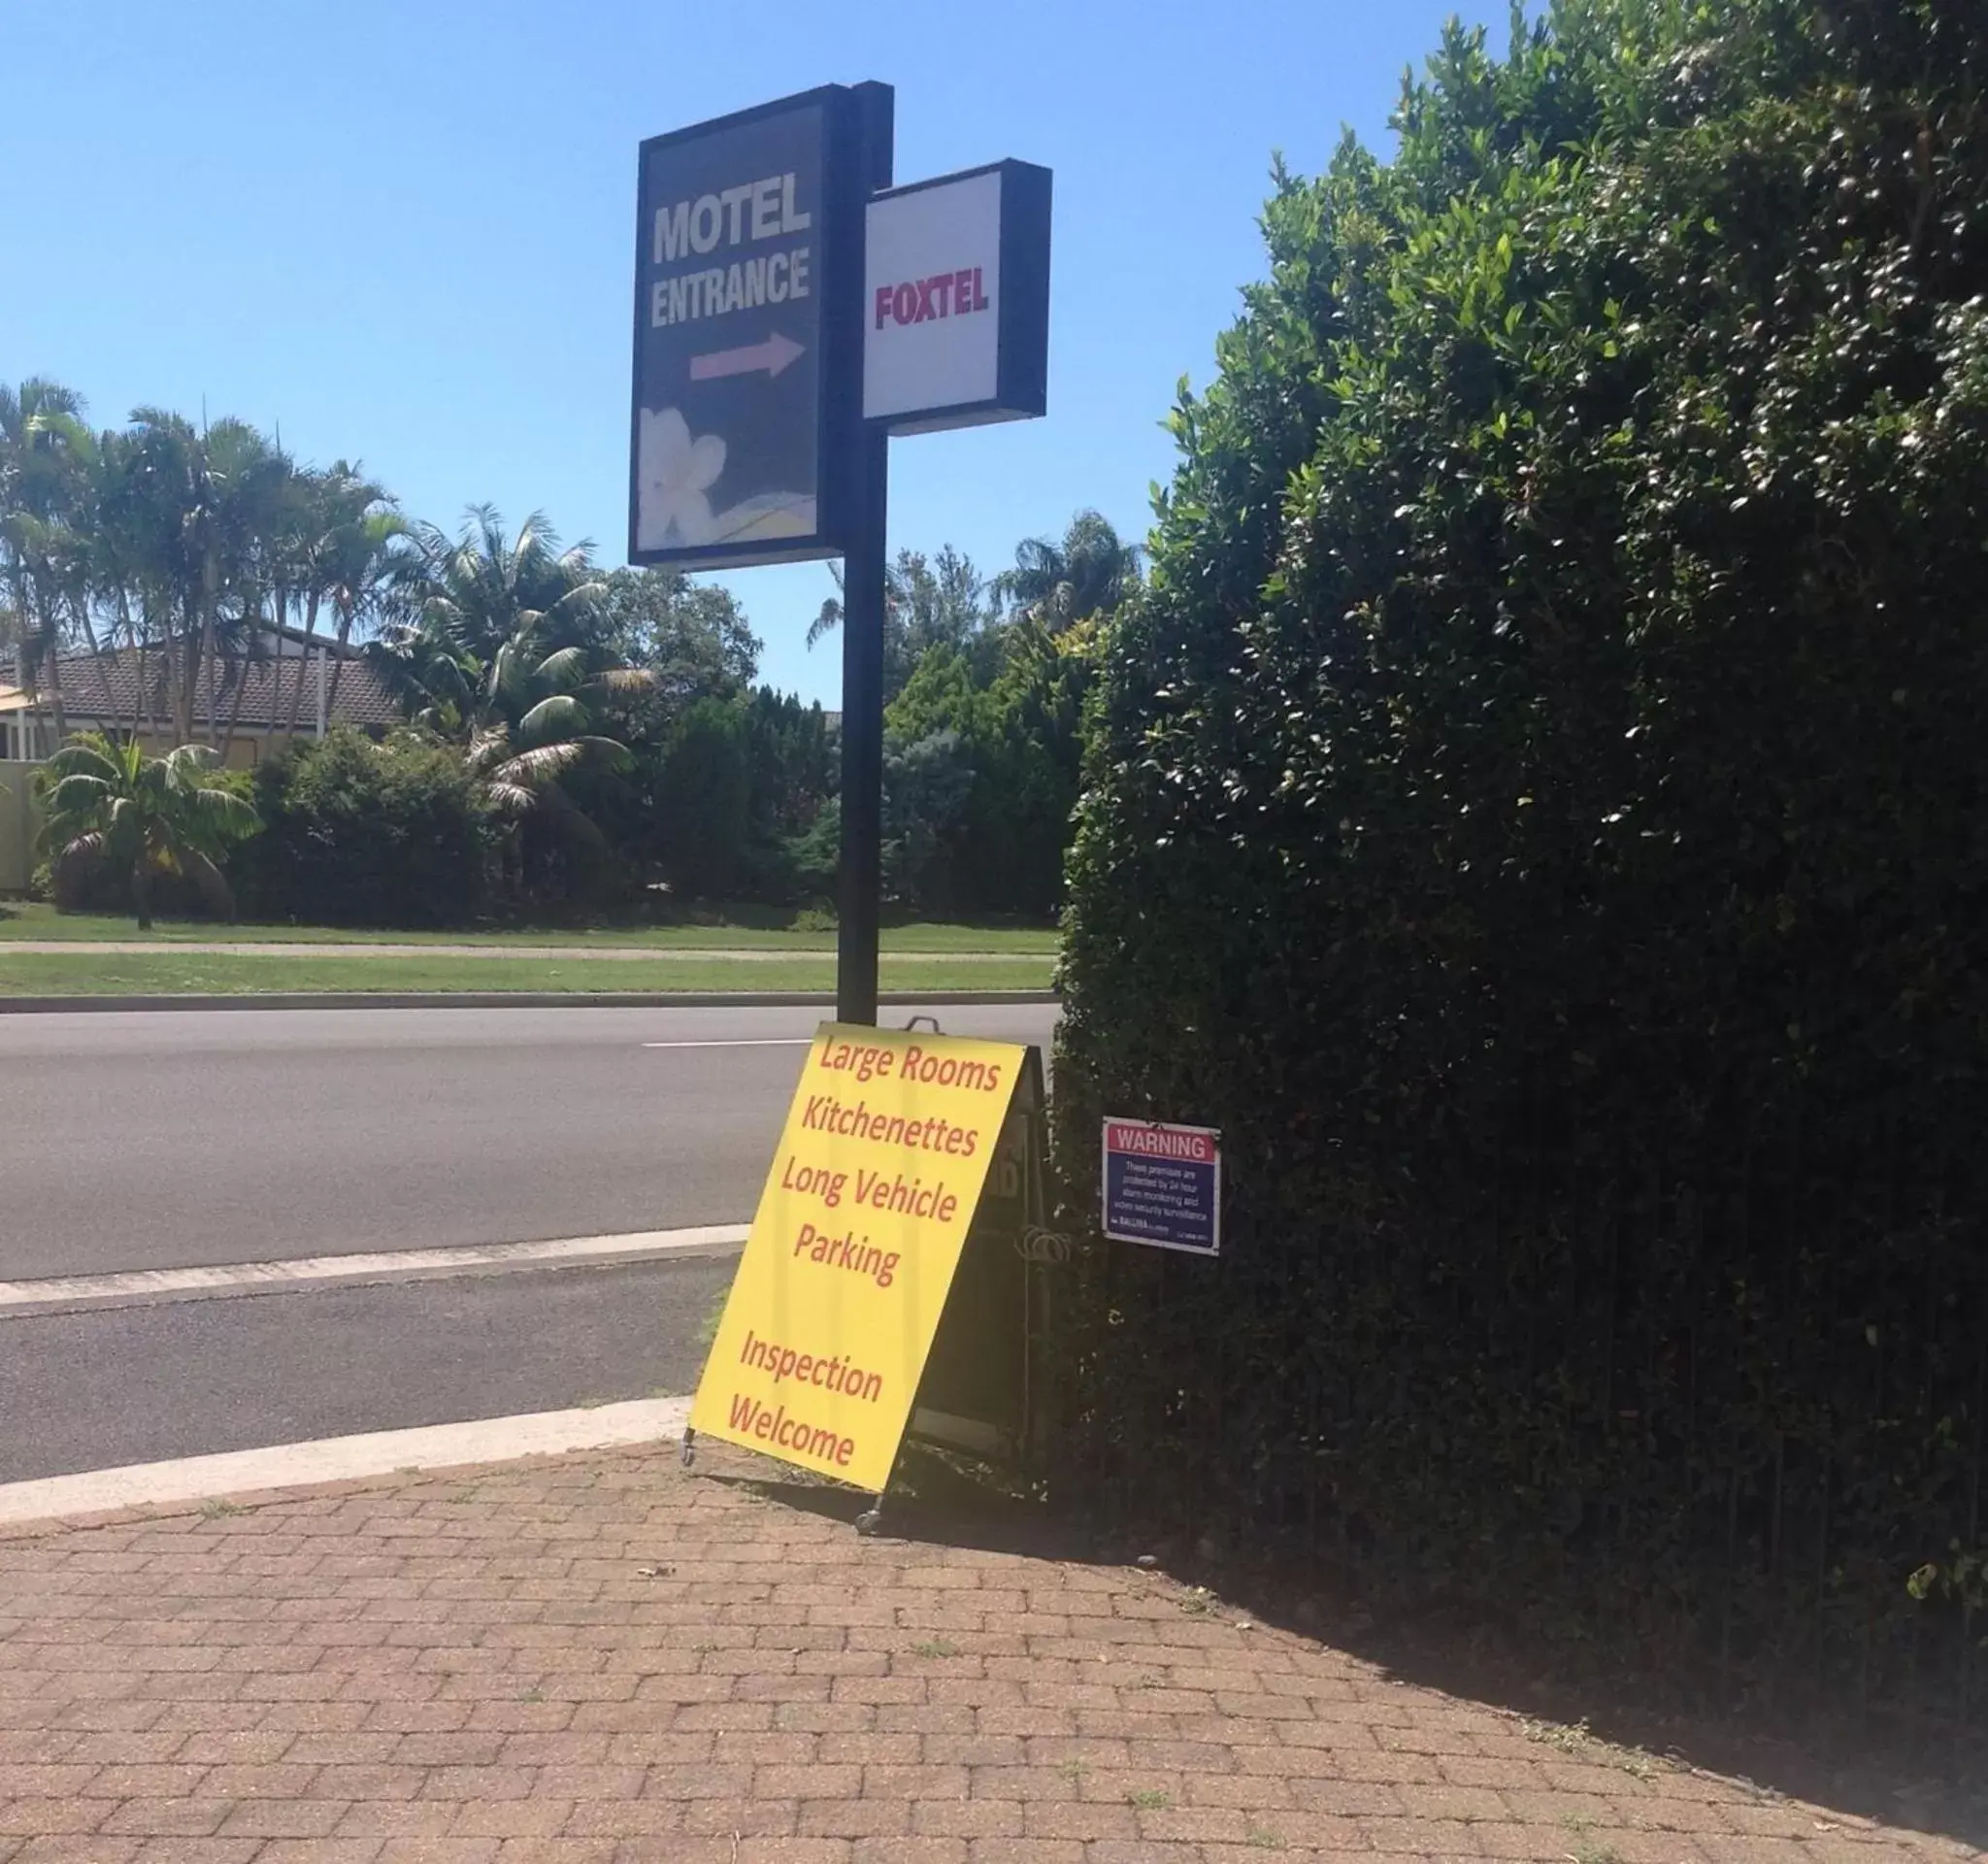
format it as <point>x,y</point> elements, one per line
<point>688,1455</point>
<point>868,1521</point>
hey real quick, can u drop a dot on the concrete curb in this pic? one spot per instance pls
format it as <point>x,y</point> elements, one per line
<point>303,1274</point>
<point>267,1474</point>
<point>512,1000</point>
<point>401,1477</point>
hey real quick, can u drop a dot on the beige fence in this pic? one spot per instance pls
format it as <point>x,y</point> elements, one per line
<point>16,826</point>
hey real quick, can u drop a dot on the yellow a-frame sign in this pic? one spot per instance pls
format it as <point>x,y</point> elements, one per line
<point>855,1245</point>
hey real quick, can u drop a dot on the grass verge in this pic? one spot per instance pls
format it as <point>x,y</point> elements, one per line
<point>753,931</point>
<point>98,973</point>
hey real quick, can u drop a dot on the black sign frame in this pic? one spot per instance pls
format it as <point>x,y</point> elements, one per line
<point>853,115</point>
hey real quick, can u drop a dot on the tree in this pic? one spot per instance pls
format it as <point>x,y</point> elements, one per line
<point>131,594</point>
<point>352,547</point>
<point>1017,730</point>
<point>480,588</point>
<point>992,708</point>
<point>110,806</point>
<point>1090,572</point>
<point>705,799</point>
<point>792,754</point>
<point>937,735</point>
<point>928,786</point>
<point>692,637</point>
<point>43,471</point>
<point>927,603</point>
<point>522,724</point>
<point>1033,762</point>
<point>206,506</point>
<point>198,552</point>
<point>170,535</point>
<point>480,666</point>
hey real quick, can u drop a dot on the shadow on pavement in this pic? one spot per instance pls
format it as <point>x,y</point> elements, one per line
<point>1931,1779</point>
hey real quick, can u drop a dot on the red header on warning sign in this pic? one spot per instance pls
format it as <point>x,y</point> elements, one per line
<point>1161,1142</point>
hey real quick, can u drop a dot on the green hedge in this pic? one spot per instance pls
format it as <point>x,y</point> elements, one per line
<point>359,833</point>
<point>1535,811</point>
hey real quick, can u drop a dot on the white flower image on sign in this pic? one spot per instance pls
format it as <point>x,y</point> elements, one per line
<point>675,474</point>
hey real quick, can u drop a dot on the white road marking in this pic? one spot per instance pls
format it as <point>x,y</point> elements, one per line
<point>739,1041</point>
<point>331,1459</point>
<point>239,1278</point>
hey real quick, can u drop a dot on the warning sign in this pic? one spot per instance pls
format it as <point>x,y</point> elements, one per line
<point>853,1248</point>
<point>1163,1185</point>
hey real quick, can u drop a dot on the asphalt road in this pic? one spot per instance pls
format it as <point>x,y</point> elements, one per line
<point>193,1139</point>
<point>182,1138</point>
<point>100,1389</point>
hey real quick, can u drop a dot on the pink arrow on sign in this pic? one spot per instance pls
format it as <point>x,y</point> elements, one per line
<point>772,356</point>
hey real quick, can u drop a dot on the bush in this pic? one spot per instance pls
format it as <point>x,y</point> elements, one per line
<point>358,833</point>
<point>1534,811</point>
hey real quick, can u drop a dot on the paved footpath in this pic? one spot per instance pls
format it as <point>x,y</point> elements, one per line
<point>599,1657</point>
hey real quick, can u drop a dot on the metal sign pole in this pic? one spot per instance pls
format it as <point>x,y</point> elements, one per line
<point>860,879</point>
<point>861,875</point>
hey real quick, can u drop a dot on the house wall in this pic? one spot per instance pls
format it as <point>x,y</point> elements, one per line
<point>245,749</point>
<point>17,826</point>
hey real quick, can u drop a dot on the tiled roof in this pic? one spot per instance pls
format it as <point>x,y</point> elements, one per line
<point>361,699</point>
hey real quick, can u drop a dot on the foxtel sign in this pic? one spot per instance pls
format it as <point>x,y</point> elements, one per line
<point>956,294</point>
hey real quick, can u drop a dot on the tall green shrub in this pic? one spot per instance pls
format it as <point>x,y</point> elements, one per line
<point>1535,809</point>
<point>358,833</point>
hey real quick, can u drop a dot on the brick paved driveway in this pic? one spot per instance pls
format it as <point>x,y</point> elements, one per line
<point>598,1657</point>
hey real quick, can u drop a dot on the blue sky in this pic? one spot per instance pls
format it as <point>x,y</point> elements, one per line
<point>402,230</point>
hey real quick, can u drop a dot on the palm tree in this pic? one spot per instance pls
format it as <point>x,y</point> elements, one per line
<point>371,565</point>
<point>938,601</point>
<point>296,579</point>
<point>481,589</point>
<point>42,476</point>
<point>350,549</point>
<point>209,499</point>
<point>523,724</point>
<point>499,659</point>
<point>67,538</point>
<point>1090,572</point>
<point>533,726</point>
<point>126,573</point>
<point>109,804</point>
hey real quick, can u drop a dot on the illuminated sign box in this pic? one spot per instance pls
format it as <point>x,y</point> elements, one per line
<point>957,300</point>
<point>744,243</point>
